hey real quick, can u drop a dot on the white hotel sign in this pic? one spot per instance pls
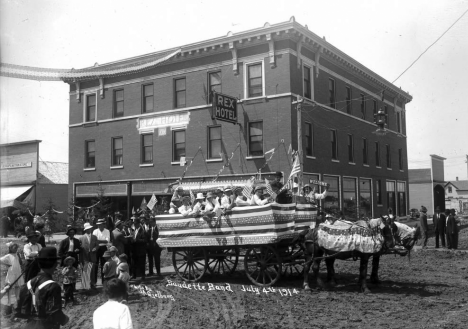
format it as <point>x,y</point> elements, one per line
<point>16,165</point>
<point>161,121</point>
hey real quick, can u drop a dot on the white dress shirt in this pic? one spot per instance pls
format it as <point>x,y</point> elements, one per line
<point>257,201</point>
<point>29,248</point>
<point>104,235</point>
<point>240,202</point>
<point>112,315</point>
<point>71,246</point>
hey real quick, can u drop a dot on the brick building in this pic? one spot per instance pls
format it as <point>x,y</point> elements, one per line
<point>132,120</point>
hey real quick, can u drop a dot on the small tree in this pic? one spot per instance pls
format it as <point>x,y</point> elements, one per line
<point>103,208</point>
<point>53,221</point>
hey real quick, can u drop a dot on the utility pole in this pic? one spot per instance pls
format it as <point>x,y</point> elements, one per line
<point>299,142</point>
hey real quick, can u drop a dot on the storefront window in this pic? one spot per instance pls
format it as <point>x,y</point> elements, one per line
<point>401,187</point>
<point>332,200</point>
<point>349,197</point>
<point>391,202</point>
<point>365,198</point>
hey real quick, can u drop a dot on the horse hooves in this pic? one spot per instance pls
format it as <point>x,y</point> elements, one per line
<point>306,287</point>
<point>365,290</point>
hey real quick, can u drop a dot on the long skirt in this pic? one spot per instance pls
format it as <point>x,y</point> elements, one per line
<point>86,275</point>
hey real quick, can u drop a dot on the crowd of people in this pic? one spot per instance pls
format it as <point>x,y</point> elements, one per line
<point>445,228</point>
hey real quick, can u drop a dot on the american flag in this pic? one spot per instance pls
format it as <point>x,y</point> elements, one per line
<point>269,189</point>
<point>192,196</point>
<point>152,202</point>
<point>296,168</point>
<point>247,191</point>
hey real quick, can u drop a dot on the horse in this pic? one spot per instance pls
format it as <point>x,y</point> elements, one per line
<point>355,240</point>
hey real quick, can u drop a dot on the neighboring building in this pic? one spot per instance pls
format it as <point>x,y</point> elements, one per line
<point>426,186</point>
<point>133,120</point>
<point>27,182</point>
<point>456,195</point>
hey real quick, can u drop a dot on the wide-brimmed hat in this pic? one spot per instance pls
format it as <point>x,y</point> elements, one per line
<point>101,221</point>
<point>69,258</point>
<point>118,222</point>
<point>179,188</point>
<point>106,254</point>
<point>87,226</point>
<point>48,253</point>
<point>258,187</point>
<point>113,248</point>
<point>31,233</point>
<point>227,189</point>
<point>200,196</point>
<point>306,185</point>
<point>209,195</point>
<point>69,229</point>
<point>423,209</point>
<point>279,174</point>
<point>123,267</point>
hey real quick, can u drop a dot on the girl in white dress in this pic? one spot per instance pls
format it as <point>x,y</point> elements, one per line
<point>13,262</point>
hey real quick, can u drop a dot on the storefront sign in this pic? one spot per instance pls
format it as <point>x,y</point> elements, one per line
<point>317,182</point>
<point>224,108</point>
<point>16,165</point>
<point>169,120</point>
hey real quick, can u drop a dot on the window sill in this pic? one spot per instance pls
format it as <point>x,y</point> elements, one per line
<point>253,98</point>
<point>214,160</point>
<point>146,165</point>
<point>116,167</point>
<point>310,157</point>
<point>352,163</point>
<point>176,163</point>
<point>337,161</point>
<point>380,205</point>
<point>378,167</point>
<point>90,123</point>
<point>389,168</point>
<point>89,169</point>
<point>255,157</point>
<point>366,165</point>
<point>402,170</point>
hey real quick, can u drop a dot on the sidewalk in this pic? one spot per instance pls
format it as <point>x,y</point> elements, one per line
<point>431,248</point>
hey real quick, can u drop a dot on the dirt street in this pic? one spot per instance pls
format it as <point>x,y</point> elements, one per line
<point>429,291</point>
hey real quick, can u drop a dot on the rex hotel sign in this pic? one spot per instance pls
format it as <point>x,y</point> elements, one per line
<point>224,108</point>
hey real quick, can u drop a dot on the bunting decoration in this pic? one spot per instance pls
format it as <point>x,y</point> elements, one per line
<point>247,191</point>
<point>272,152</point>
<point>227,163</point>
<point>296,168</point>
<point>94,205</point>
<point>143,204</point>
<point>188,166</point>
<point>192,197</point>
<point>269,189</point>
<point>152,202</point>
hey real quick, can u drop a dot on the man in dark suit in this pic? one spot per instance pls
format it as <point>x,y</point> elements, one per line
<point>69,247</point>
<point>154,250</point>
<point>439,227</point>
<point>138,250</point>
<point>119,239</point>
<point>452,231</point>
<point>424,227</point>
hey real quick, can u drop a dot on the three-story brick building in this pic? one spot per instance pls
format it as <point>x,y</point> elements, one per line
<point>132,121</point>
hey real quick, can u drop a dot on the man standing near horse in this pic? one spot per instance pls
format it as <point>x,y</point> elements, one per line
<point>439,227</point>
<point>424,227</point>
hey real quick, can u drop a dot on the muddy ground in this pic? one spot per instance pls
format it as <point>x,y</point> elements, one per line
<point>430,291</point>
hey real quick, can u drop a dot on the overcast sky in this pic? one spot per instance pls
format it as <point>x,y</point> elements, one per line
<point>385,36</point>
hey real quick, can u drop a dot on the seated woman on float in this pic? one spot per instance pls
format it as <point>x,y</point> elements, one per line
<point>257,197</point>
<point>239,198</point>
<point>211,206</point>
<point>197,207</point>
<point>311,195</point>
<point>176,200</point>
<point>185,210</point>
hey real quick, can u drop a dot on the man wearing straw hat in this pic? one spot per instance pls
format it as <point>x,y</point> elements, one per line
<point>257,197</point>
<point>31,250</point>
<point>103,237</point>
<point>69,247</point>
<point>185,209</point>
<point>197,207</point>
<point>119,240</point>
<point>88,258</point>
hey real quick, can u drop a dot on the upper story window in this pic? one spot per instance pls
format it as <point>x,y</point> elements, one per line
<point>254,80</point>
<point>90,154</point>
<point>377,154</point>
<point>331,91</point>
<point>334,144</point>
<point>118,103</point>
<point>386,116</point>
<point>378,190</point>
<point>450,189</point>
<point>364,151</point>
<point>147,148</point>
<point>348,100</point>
<point>214,142</point>
<point>363,107</point>
<point>307,84</point>
<point>179,93</point>
<point>178,144</point>
<point>90,114</point>
<point>374,107</point>
<point>309,139</point>
<point>400,159</point>
<point>117,151</point>
<point>256,138</point>
<point>351,148</point>
<point>214,82</point>
<point>148,98</point>
<point>398,120</point>
<point>389,157</point>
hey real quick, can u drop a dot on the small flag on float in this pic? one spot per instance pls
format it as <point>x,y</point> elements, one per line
<point>290,149</point>
<point>296,168</point>
<point>143,204</point>
<point>247,191</point>
<point>133,210</point>
<point>152,202</point>
<point>192,197</point>
<point>269,189</point>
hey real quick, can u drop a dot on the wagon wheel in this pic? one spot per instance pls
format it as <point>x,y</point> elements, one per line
<point>293,257</point>
<point>223,261</point>
<point>262,265</point>
<point>190,264</point>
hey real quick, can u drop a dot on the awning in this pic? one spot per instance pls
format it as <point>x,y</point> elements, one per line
<point>10,193</point>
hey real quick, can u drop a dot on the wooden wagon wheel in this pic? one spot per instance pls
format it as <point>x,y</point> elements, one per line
<point>223,261</point>
<point>190,264</point>
<point>293,260</point>
<point>262,265</point>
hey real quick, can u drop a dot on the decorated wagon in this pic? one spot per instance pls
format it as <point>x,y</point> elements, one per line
<point>263,235</point>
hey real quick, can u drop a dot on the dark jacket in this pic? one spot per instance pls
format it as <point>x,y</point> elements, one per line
<point>139,242</point>
<point>284,197</point>
<point>439,223</point>
<point>63,249</point>
<point>423,222</point>
<point>119,241</point>
<point>451,225</point>
<point>155,233</point>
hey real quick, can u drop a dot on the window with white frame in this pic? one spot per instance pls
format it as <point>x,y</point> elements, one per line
<point>331,93</point>
<point>118,103</point>
<point>309,139</point>
<point>256,138</point>
<point>307,83</point>
<point>90,108</point>
<point>178,144</point>
<point>148,98</point>
<point>117,151</point>
<point>214,84</point>
<point>351,148</point>
<point>254,80</point>
<point>90,154</point>
<point>147,148</point>
<point>214,142</point>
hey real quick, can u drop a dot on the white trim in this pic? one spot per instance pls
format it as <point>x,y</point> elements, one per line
<point>146,165</point>
<point>378,167</point>
<point>253,62</point>
<point>310,157</point>
<point>255,157</point>
<point>89,169</point>
<point>366,165</point>
<point>352,163</point>
<point>214,160</point>
<point>175,163</point>
<point>389,168</point>
<point>337,161</point>
<point>85,106</point>
<point>183,127</point>
<point>116,167</point>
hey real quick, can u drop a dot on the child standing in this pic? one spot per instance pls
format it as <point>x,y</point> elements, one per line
<point>69,279</point>
<point>122,273</point>
<point>13,262</point>
<point>110,268</point>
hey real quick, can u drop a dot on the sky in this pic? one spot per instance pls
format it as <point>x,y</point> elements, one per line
<point>385,36</point>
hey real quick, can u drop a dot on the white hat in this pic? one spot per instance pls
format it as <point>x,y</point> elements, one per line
<point>227,189</point>
<point>87,226</point>
<point>200,196</point>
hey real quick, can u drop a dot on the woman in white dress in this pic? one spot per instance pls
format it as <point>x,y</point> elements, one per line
<point>13,261</point>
